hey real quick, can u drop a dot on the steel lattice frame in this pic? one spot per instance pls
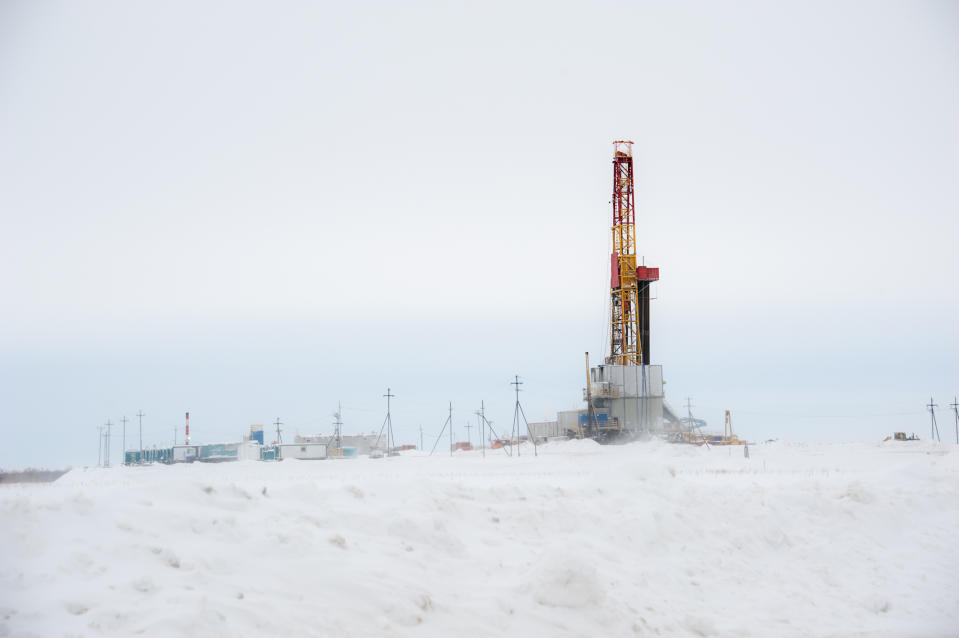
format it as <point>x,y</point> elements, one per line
<point>625,344</point>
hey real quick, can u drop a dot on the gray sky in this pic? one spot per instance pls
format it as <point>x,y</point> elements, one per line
<point>252,210</point>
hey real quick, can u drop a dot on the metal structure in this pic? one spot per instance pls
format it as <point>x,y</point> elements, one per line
<point>388,428</point>
<point>955,410</point>
<point>629,281</point>
<point>279,432</point>
<point>106,452</point>
<point>517,413</point>
<point>934,435</point>
<point>338,428</point>
<point>140,416</point>
<point>447,422</point>
<point>124,422</point>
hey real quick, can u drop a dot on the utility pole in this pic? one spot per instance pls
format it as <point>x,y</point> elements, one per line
<point>174,436</point>
<point>279,432</point>
<point>517,412</point>
<point>935,428</point>
<point>124,450</point>
<point>338,427</point>
<point>692,424</point>
<point>99,445</point>
<point>140,416</point>
<point>955,410</point>
<point>449,422</point>
<point>482,416</point>
<point>421,436</point>
<point>469,441</point>
<point>390,441</point>
<point>479,424</point>
<point>388,427</point>
<point>106,462</point>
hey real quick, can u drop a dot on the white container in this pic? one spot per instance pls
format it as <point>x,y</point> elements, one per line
<point>185,453</point>
<point>303,451</point>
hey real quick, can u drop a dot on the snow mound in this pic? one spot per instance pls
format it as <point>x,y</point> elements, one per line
<point>581,540</point>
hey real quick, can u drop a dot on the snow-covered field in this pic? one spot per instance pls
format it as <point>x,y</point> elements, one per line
<point>646,539</point>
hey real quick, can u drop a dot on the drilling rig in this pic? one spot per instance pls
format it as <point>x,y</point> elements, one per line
<point>625,396</point>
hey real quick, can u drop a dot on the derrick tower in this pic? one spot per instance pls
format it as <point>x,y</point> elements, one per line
<point>629,283</point>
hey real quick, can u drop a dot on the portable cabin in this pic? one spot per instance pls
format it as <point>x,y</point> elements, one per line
<point>302,451</point>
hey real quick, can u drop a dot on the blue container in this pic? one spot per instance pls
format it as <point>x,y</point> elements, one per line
<point>257,435</point>
<point>602,419</point>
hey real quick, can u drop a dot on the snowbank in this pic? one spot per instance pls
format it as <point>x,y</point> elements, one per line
<point>583,540</point>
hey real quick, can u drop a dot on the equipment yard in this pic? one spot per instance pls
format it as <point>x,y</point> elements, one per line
<point>584,540</point>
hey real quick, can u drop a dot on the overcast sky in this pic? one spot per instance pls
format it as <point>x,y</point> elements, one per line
<point>253,210</point>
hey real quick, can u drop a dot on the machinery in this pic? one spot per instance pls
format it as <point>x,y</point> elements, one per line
<point>728,437</point>
<point>901,436</point>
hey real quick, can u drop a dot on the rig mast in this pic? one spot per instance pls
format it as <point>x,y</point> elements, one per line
<point>629,283</point>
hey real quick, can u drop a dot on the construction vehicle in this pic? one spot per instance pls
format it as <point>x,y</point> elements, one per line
<point>901,436</point>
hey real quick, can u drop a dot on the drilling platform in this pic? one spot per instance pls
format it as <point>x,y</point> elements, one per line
<point>624,395</point>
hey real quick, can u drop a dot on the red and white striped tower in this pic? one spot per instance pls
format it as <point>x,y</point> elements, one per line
<point>188,428</point>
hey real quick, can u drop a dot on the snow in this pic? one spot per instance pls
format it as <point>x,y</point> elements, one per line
<point>646,539</point>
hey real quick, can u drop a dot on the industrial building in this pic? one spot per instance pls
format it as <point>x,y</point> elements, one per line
<point>251,448</point>
<point>352,444</point>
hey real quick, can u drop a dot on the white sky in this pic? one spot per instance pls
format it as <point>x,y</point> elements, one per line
<point>250,210</point>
